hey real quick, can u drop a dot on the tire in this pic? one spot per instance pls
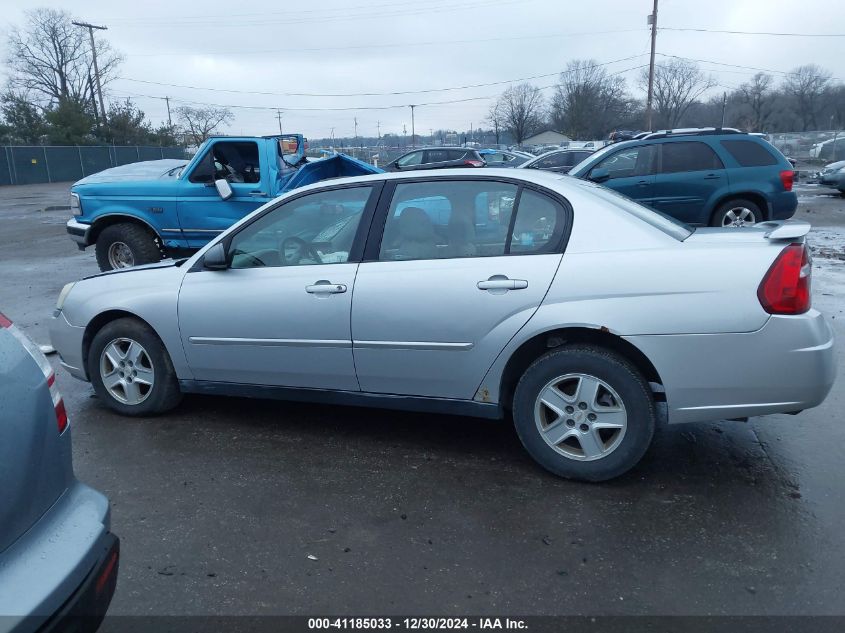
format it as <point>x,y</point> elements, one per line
<point>156,387</point>
<point>737,212</point>
<point>124,245</point>
<point>563,445</point>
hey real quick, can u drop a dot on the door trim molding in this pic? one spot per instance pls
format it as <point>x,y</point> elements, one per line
<point>269,342</point>
<point>414,345</point>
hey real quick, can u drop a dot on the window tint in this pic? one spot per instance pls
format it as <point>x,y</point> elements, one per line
<point>437,156</point>
<point>414,158</point>
<point>558,159</point>
<point>233,161</point>
<point>538,225</point>
<point>631,161</point>
<point>435,220</point>
<point>688,156</point>
<point>314,229</point>
<point>749,153</point>
<point>457,154</point>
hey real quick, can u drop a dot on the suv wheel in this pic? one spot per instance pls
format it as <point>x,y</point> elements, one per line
<point>131,370</point>
<point>125,245</point>
<point>737,213</point>
<point>583,412</point>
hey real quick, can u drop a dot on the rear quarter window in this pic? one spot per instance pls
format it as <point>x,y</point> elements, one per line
<point>750,154</point>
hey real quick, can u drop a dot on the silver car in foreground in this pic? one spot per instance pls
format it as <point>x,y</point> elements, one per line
<point>58,559</point>
<point>589,318</point>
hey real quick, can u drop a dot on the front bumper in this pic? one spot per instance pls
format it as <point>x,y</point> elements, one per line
<point>64,567</point>
<point>784,367</point>
<point>67,341</point>
<point>79,233</point>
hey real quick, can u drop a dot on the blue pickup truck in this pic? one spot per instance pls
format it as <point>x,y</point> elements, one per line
<point>139,213</point>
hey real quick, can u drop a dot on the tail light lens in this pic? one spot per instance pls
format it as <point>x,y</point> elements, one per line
<point>471,162</point>
<point>787,178</point>
<point>44,365</point>
<point>786,287</point>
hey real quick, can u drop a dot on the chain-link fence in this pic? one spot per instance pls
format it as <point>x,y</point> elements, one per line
<point>30,164</point>
<point>822,146</point>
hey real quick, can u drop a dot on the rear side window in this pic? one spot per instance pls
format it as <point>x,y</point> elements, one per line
<point>456,154</point>
<point>538,225</point>
<point>688,156</point>
<point>559,159</point>
<point>749,153</point>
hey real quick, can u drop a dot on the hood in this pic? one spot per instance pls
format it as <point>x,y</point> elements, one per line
<point>165,168</point>
<point>167,263</point>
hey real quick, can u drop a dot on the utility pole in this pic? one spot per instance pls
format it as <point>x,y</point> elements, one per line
<point>652,20</point>
<point>412,126</point>
<point>169,122</point>
<point>404,133</point>
<point>356,130</point>
<point>378,129</point>
<point>724,106</point>
<point>91,28</point>
<point>279,116</point>
<point>93,99</point>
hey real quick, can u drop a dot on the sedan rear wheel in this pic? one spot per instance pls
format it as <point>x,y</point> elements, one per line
<point>584,412</point>
<point>131,370</point>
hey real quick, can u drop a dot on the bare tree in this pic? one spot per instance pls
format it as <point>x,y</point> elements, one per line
<point>494,117</point>
<point>758,96</point>
<point>678,84</point>
<point>588,102</point>
<point>521,110</point>
<point>808,84</point>
<point>50,58</point>
<point>200,123</point>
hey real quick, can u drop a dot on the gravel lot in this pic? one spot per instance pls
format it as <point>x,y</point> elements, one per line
<point>219,504</point>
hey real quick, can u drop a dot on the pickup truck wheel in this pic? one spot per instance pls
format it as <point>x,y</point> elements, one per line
<point>124,245</point>
<point>130,369</point>
<point>585,413</point>
<point>737,213</point>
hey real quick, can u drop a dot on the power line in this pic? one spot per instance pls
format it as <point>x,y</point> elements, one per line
<point>370,94</point>
<point>669,28</point>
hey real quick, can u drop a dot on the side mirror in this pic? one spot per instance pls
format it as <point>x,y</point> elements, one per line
<point>223,188</point>
<point>599,174</point>
<point>215,257</point>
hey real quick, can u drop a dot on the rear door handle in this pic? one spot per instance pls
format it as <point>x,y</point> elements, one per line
<point>712,176</point>
<point>501,282</point>
<point>325,287</point>
<point>258,194</point>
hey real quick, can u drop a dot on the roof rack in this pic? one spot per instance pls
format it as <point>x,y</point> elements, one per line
<point>696,131</point>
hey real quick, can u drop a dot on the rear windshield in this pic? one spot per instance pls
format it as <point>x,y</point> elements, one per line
<point>667,224</point>
<point>750,153</point>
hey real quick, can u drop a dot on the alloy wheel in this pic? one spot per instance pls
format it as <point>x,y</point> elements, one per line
<point>127,371</point>
<point>739,217</point>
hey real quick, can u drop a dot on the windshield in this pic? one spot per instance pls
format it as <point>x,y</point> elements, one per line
<point>594,157</point>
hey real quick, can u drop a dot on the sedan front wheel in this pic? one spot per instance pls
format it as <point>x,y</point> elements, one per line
<point>583,412</point>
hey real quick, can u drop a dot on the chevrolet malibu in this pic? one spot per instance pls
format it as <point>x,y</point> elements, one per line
<point>586,318</point>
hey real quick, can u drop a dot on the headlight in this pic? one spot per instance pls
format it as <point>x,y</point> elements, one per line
<point>63,295</point>
<point>75,205</point>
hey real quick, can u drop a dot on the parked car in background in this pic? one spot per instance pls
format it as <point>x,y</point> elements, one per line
<point>137,214</point>
<point>716,177</point>
<point>58,559</point>
<point>621,135</point>
<point>436,158</point>
<point>832,149</point>
<point>503,157</point>
<point>560,160</point>
<point>591,318</point>
<point>833,175</point>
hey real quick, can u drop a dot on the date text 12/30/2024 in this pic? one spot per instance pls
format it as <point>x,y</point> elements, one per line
<point>417,623</point>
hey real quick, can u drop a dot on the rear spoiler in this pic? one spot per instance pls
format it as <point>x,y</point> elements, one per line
<point>784,229</point>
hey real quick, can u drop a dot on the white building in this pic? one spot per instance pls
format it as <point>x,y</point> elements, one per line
<point>549,137</point>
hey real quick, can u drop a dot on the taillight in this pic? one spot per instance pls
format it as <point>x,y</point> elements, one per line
<point>787,178</point>
<point>470,162</point>
<point>786,287</point>
<point>46,369</point>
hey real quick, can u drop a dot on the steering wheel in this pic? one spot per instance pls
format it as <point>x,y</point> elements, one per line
<point>294,249</point>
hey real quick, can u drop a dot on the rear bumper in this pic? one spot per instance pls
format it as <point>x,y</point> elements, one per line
<point>67,340</point>
<point>783,205</point>
<point>63,569</point>
<point>786,366</point>
<point>79,233</point>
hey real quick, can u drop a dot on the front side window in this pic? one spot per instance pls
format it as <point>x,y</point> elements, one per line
<point>314,229</point>
<point>633,161</point>
<point>414,158</point>
<point>688,156</point>
<point>448,219</point>
<point>233,161</point>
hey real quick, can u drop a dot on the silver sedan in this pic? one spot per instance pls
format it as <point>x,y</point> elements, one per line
<point>587,318</point>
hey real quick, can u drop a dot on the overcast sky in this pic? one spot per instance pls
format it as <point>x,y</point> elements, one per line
<point>380,46</point>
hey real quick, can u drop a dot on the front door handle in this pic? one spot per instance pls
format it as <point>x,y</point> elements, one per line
<point>712,176</point>
<point>643,183</point>
<point>257,194</point>
<point>502,283</point>
<point>325,287</point>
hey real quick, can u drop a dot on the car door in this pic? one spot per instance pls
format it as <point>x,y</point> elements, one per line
<point>203,214</point>
<point>437,298</point>
<point>630,171</point>
<point>689,173</point>
<point>279,314</point>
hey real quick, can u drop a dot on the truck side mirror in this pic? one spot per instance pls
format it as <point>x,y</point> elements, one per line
<point>599,174</point>
<point>223,188</point>
<point>215,257</point>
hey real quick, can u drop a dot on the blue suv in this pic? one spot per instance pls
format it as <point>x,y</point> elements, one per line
<point>713,176</point>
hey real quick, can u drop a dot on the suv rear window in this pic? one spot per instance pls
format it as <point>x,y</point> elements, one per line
<point>749,153</point>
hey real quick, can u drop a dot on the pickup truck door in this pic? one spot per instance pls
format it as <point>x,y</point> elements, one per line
<point>203,214</point>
